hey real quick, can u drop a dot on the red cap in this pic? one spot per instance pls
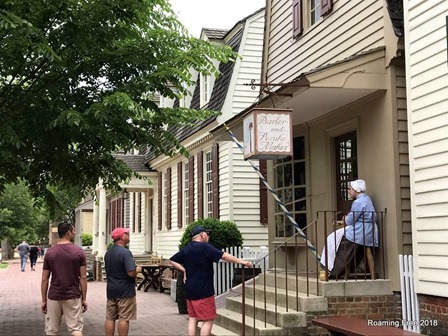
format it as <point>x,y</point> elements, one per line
<point>118,232</point>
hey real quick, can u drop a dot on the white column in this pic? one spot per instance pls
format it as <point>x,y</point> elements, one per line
<point>95,225</point>
<point>102,223</point>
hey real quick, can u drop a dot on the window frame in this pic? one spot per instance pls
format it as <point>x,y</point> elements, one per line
<point>295,191</point>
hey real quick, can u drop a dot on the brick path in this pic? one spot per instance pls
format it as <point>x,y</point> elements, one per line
<point>20,308</point>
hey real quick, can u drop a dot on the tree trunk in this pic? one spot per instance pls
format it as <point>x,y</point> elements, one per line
<point>7,251</point>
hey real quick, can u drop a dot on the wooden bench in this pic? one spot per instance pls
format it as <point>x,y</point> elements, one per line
<point>353,326</point>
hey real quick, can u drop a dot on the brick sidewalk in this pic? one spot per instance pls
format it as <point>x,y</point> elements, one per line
<point>20,313</point>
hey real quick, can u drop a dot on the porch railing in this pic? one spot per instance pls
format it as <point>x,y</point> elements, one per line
<point>224,272</point>
<point>316,232</point>
<point>368,236</point>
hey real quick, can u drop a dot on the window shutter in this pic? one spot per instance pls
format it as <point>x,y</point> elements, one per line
<point>191,188</point>
<point>168,198</point>
<point>179,195</point>
<point>200,165</point>
<point>297,22</point>
<point>326,6</point>
<point>263,193</point>
<point>215,180</point>
<point>159,199</point>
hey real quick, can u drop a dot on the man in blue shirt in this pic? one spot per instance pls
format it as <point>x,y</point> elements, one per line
<point>196,262</point>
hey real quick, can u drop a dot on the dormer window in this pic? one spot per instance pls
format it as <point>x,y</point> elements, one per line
<point>205,89</point>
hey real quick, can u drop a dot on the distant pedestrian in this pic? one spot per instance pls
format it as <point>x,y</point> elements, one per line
<point>196,262</point>
<point>121,272</point>
<point>34,251</point>
<point>42,251</point>
<point>66,263</point>
<point>23,250</point>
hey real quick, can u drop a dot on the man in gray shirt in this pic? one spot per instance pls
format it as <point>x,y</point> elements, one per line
<point>23,250</point>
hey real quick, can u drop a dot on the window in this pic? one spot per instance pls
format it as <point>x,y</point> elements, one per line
<point>168,198</point>
<point>306,13</point>
<point>205,89</point>
<point>137,217</point>
<point>346,169</point>
<point>314,6</point>
<point>162,101</point>
<point>208,190</point>
<point>186,191</point>
<point>290,185</point>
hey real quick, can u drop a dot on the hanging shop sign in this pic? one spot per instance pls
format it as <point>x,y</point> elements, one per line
<point>267,133</point>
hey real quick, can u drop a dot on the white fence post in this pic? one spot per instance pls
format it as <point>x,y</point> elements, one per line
<point>409,302</point>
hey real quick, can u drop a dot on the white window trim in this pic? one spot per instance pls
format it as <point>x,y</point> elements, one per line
<point>186,193</point>
<point>205,89</point>
<point>208,184</point>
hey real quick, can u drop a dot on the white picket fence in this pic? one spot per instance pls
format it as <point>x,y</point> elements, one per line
<point>223,271</point>
<point>409,302</point>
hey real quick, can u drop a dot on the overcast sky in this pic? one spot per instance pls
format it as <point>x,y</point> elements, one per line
<point>198,14</point>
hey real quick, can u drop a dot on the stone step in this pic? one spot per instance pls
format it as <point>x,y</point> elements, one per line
<point>329,288</point>
<point>278,316</point>
<point>232,321</point>
<point>281,279</point>
<point>293,300</point>
<point>220,331</point>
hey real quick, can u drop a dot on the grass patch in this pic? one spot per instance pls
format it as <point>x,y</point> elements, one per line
<point>4,265</point>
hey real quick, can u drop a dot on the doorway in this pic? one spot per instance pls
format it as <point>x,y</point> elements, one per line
<point>346,170</point>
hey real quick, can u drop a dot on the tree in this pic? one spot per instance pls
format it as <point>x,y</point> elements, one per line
<point>77,83</point>
<point>224,233</point>
<point>21,217</point>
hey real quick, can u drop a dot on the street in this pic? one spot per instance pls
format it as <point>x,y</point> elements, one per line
<point>20,312</point>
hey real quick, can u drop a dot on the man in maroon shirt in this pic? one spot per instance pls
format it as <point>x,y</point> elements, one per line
<point>66,263</point>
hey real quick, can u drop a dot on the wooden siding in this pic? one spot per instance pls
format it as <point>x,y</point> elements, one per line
<point>244,192</point>
<point>353,26</point>
<point>240,95</point>
<point>427,92</point>
<point>403,158</point>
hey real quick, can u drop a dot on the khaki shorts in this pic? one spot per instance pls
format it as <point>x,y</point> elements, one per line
<point>121,309</point>
<point>72,311</point>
